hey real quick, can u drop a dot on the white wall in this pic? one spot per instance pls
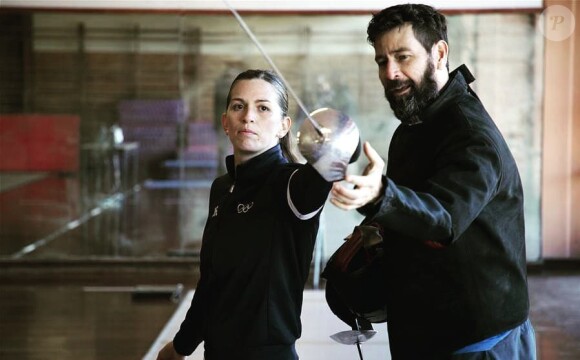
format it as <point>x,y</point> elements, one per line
<point>268,5</point>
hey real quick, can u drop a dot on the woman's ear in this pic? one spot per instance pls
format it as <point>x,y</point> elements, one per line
<point>286,125</point>
<point>224,123</point>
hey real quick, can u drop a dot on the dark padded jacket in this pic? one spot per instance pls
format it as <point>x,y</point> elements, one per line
<point>453,221</point>
<point>255,258</point>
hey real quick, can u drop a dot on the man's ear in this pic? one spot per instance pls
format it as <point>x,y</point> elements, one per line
<point>440,52</point>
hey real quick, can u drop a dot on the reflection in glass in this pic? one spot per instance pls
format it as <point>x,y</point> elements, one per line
<point>162,79</point>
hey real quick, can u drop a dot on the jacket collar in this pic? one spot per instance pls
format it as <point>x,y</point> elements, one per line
<point>256,167</point>
<point>458,84</point>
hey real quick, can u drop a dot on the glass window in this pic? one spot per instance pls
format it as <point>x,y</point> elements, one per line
<point>148,91</point>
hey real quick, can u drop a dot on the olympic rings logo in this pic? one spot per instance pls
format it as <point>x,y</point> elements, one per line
<point>244,208</point>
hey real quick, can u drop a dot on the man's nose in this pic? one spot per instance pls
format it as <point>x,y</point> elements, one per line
<point>392,70</point>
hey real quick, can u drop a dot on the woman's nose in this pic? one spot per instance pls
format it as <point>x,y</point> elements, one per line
<point>249,115</point>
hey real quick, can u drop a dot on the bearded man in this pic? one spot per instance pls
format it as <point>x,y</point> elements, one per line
<point>449,208</point>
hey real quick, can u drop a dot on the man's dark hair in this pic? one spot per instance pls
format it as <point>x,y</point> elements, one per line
<point>429,26</point>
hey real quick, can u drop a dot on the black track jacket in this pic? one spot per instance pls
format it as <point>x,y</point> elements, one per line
<point>256,252</point>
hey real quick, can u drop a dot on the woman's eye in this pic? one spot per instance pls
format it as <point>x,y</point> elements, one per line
<point>237,106</point>
<point>264,108</point>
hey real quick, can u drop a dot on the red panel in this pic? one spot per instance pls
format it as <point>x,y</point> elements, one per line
<point>39,142</point>
<point>32,211</point>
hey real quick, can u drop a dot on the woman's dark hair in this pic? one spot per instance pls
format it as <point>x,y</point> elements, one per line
<point>287,143</point>
<point>429,25</point>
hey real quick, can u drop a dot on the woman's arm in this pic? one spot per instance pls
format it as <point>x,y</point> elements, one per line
<point>190,334</point>
<point>168,353</point>
<point>307,192</point>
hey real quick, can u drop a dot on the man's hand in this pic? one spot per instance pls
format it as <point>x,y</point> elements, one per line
<point>168,353</point>
<point>368,187</point>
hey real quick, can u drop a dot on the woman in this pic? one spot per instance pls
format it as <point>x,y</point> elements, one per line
<point>259,237</point>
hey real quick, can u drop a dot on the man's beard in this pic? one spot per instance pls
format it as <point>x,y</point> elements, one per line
<point>408,107</point>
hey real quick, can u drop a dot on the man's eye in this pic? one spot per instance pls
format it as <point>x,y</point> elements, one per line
<point>403,57</point>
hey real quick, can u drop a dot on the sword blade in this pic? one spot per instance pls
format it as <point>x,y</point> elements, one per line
<point>252,37</point>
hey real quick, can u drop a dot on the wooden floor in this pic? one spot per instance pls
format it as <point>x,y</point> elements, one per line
<point>555,313</point>
<point>65,323</point>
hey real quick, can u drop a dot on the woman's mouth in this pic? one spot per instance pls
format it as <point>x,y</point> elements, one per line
<point>247,132</point>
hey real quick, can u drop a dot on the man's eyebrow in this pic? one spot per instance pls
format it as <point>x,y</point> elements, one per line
<point>401,49</point>
<point>396,51</point>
